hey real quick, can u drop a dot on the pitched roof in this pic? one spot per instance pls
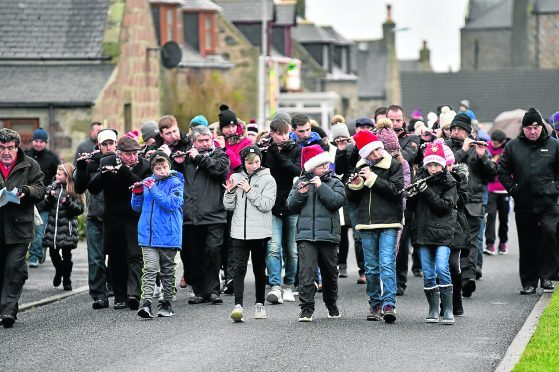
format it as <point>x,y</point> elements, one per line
<point>372,63</point>
<point>201,5</point>
<point>546,6</point>
<point>38,29</point>
<point>38,85</point>
<point>498,16</point>
<point>408,65</point>
<point>286,14</point>
<point>307,32</point>
<point>490,92</point>
<point>340,40</point>
<point>477,8</point>
<point>245,10</point>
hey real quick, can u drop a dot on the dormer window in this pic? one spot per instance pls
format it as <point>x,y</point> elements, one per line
<point>165,22</point>
<point>200,32</point>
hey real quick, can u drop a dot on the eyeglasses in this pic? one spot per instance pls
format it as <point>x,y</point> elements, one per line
<point>9,148</point>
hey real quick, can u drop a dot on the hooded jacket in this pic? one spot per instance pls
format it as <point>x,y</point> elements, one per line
<point>318,209</point>
<point>160,208</point>
<point>61,231</point>
<point>529,171</point>
<point>378,199</point>
<point>252,210</point>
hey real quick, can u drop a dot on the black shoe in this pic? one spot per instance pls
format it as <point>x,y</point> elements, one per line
<point>133,303</point>
<point>228,288</point>
<point>119,305</point>
<point>198,300</point>
<point>57,280</point>
<point>216,299</point>
<point>8,321</point>
<point>478,274</point>
<point>305,315</point>
<point>333,312</point>
<point>528,290</point>
<point>547,286</point>
<point>145,310</point>
<point>400,291</point>
<point>165,309</point>
<point>458,311</point>
<point>469,288</point>
<point>67,285</point>
<point>100,304</point>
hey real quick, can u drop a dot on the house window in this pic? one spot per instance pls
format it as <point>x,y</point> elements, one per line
<point>207,33</point>
<point>167,22</point>
<point>24,127</point>
<point>326,57</point>
<point>200,33</point>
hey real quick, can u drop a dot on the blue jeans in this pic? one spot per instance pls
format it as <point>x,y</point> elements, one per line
<point>284,226</point>
<point>97,278</point>
<point>434,262</point>
<point>36,248</point>
<point>379,252</point>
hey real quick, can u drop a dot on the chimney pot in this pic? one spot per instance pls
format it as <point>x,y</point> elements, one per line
<point>388,12</point>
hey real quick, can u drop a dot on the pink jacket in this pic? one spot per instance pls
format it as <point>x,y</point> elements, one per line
<point>495,186</point>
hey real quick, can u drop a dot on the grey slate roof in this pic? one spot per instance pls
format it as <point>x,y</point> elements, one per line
<point>489,92</point>
<point>547,6</point>
<point>200,5</point>
<point>286,14</point>
<point>340,40</point>
<point>408,65</point>
<point>372,68</point>
<point>310,33</point>
<point>245,10</point>
<point>69,84</point>
<point>477,8</point>
<point>498,16</point>
<point>52,29</point>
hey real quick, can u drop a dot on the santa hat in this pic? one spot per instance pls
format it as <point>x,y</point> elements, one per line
<point>313,156</point>
<point>434,153</point>
<point>366,143</point>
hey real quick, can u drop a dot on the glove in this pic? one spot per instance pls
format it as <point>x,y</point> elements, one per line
<point>138,188</point>
<point>423,186</point>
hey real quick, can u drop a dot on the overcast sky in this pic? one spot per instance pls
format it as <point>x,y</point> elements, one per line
<point>437,21</point>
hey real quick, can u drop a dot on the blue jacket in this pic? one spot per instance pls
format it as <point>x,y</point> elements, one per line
<point>314,139</point>
<point>160,224</point>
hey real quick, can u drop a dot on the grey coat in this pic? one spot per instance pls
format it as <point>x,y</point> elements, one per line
<point>319,218</point>
<point>252,216</point>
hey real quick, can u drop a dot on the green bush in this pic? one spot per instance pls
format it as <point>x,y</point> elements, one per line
<point>81,226</point>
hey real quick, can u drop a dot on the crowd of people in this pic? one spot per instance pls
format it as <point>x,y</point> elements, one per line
<point>288,198</point>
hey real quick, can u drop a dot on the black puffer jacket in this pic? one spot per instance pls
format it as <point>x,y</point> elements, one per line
<point>378,201</point>
<point>318,209</point>
<point>462,231</point>
<point>409,145</point>
<point>203,190</point>
<point>61,231</point>
<point>435,211</point>
<point>16,220</point>
<point>529,170</point>
<point>482,171</point>
<point>284,165</point>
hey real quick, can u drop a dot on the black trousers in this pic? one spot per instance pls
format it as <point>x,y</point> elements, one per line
<point>455,273</point>
<point>343,250</point>
<point>468,262</point>
<point>62,265</point>
<point>185,256</point>
<point>538,245</point>
<point>204,243</point>
<point>227,249</point>
<point>402,258</point>
<point>120,240</point>
<point>13,274</point>
<point>498,203</point>
<point>241,251</point>
<point>325,255</point>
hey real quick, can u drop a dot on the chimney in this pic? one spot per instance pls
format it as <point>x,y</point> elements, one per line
<point>520,54</point>
<point>389,30</point>
<point>425,57</point>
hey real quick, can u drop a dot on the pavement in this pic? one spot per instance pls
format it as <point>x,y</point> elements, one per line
<point>68,335</point>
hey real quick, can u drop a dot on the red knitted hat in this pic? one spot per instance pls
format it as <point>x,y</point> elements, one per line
<point>367,142</point>
<point>434,153</point>
<point>313,156</point>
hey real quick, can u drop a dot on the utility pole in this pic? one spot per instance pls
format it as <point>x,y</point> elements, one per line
<point>262,68</point>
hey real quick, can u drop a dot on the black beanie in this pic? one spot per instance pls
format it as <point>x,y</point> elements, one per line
<point>226,116</point>
<point>463,121</point>
<point>158,154</point>
<point>246,151</point>
<point>532,116</point>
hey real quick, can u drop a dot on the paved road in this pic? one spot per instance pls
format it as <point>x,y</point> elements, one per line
<point>69,335</point>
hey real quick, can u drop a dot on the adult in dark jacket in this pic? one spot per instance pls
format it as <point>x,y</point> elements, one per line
<point>283,158</point>
<point>48,161</point>
<point>529,170</point>
<point>317,198</point>
<point>21,172</point>
<point>90,144</point>
<point>87,166</point>
<point>481,171</point>
<point>120,222</point>
<point>206,169</point>
<point>409,143</point>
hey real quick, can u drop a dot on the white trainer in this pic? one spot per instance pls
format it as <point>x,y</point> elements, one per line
<point>259,311</point>
<point>275,296</point>
<point>288,295</point>
<point>238,314</point>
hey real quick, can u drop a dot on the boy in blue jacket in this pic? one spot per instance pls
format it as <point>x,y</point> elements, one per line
<point>159,198</point>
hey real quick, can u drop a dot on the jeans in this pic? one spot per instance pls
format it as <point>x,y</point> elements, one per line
<point>97,278</point>
<point>434,263</point>
<point>36,248</point>
<point>379,251</point>
<point>282,227</point>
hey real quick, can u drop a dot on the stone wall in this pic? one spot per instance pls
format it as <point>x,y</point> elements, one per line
<point>494,49</point>
<point>547,40</point>
<point>348,91</point>
<point>136,78</point>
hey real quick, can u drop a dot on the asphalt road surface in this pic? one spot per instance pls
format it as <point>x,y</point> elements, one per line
<point>69,335</point>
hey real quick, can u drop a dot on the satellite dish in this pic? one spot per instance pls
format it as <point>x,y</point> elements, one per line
<point>171,54</point>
